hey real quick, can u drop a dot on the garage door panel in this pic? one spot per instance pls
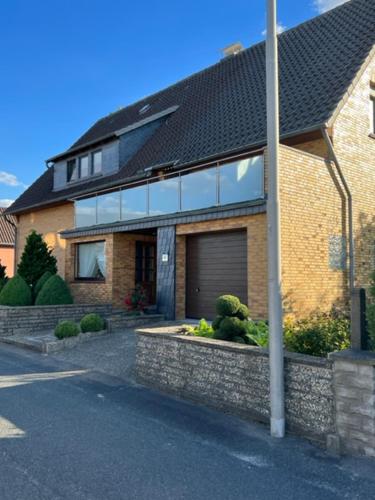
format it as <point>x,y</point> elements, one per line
<point>216,264</point>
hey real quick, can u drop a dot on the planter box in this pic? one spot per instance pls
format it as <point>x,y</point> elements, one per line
<point>235,378</point>
<point>48,343</point>
<point>32,320</point>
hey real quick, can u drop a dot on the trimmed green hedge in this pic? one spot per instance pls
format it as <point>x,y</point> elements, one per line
<point>16,292</point>
<point>54,292</point>
<point>92,323</point>
<point>41,282</point>
<point>66,329</point>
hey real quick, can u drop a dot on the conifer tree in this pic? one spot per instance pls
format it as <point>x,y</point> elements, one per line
<point>3,276</point>
<point>36,259</point>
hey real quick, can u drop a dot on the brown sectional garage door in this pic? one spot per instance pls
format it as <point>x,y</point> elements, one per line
<point>216,264</point>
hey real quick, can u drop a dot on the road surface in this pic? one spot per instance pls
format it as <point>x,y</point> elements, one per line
<point>69,433</point>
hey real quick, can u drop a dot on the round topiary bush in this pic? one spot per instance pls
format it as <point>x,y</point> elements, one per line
<point>54,292</point>
<point>220,335</point>
<point>243,312</point>
<point>41,282</point>
<point>216,322</point>
<point>16,292</point>
<point>66,329</point>
<point>227,305</point>
<point>92,323</point>
<point>233,327</point>
<point>239,340</point>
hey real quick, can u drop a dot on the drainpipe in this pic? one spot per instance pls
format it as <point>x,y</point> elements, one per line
<point>335,160</point>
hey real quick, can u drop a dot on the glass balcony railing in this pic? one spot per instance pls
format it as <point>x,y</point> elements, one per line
<point>220,185</point>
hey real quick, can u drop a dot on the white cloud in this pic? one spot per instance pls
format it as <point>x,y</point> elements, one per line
<point>5,202</point>
<point>10,180</point>
<point>280,29</point>
<point>324,5</point>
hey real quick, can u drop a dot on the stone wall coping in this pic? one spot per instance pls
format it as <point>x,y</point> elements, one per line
<point>233,347</point>
<point>58,306</point>
<point>358,357</point>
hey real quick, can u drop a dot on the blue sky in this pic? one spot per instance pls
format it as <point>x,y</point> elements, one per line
<point>66,63</point>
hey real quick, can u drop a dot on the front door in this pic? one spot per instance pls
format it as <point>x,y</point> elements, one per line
<point>145,268</point>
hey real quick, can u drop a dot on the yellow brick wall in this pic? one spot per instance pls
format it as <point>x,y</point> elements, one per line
<point>311,210</point>
<point>256,227</point>
<point>356,152</point>
<point>48,222</point>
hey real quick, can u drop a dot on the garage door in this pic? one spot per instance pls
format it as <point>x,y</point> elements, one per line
<point>216,264</point>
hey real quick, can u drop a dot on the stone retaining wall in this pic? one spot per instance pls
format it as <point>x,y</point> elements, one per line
<point>354,387</point>
<point>34,319</point>
<point>235,377</point>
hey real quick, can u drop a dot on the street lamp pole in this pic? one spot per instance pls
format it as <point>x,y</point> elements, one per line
<point>273,221</point>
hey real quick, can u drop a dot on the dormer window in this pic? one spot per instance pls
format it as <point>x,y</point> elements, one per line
<point>83,166</point>
<point>72,170</point>
<point>96,162</point>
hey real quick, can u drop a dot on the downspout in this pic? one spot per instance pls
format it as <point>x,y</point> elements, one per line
<point>335,160</point>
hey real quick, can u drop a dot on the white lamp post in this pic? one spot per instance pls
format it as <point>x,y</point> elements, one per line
<point>273,220</point>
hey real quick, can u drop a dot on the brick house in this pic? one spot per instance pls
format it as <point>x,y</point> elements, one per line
<point>171,191</point>
<point>7,241</point>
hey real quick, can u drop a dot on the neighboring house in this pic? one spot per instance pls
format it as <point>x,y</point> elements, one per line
<point>171,191</point>
<point>7,241</point>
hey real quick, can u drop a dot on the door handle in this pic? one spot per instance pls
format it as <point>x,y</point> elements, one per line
<point>198,290</point>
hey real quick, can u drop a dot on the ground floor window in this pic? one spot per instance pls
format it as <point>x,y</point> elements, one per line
<point>90,261</point>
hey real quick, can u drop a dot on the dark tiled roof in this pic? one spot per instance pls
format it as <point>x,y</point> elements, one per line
<point>7,231</point>
<point>222,109</point>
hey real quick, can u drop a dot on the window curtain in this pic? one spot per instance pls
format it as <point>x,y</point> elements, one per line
<point>91,259</point>
<point>102,261</point>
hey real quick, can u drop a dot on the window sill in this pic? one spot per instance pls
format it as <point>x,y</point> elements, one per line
<point>372,136</point>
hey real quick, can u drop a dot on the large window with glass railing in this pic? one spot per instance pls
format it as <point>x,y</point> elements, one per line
<point>222,184</point>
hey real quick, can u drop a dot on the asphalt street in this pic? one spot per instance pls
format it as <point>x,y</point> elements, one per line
<point>67,432</point>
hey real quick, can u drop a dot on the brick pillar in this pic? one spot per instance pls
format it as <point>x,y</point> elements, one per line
<point>166,271</point>
<point>354,390</point>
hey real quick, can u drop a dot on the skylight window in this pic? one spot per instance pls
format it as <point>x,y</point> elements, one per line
<point>144,109</point>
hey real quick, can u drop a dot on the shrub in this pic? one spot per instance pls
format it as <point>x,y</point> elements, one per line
<point>370,313</point>
<point>66,329</point>
<point>92,323</point>
<point>318,335</point>
<point>3,276</point>
<point>257,333</point>
<point>239,340</point>
<point>370,316</point>
<point>216,322</point>
<point>233,327</point>
<point>136,300</point>
<point>227,305</point>
<point>36,259</point>
<point>243,312</point>
<point>220,335</point>
<point>55,291</point>
<point>16,292</point>
<point>203,329</point>
<point>41,282</point>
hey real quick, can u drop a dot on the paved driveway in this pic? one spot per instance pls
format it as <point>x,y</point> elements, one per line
<point>70,433</point>
<point>111,354</point>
